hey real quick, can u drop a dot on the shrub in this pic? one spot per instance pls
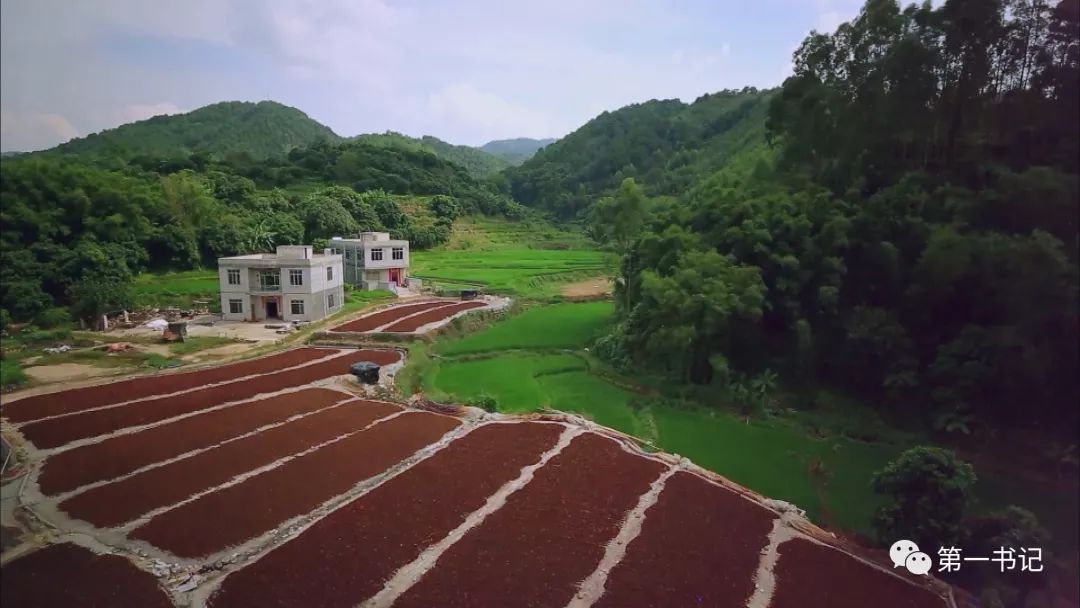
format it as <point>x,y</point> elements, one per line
<point>32,335</point>
<point>53,317</point>
<point>11,374</point>
<point>929,492</point>
<point>485,402</point>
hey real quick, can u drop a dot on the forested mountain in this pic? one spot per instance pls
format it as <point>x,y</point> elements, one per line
<point>909,236</point>
<point>515,151</point>
<point>667,146</point>
<point>259,130</point>
<point>478,163</point>
<point>75,229</point>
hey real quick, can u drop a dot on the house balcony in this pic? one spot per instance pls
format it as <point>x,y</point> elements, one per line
<point>266,289</point>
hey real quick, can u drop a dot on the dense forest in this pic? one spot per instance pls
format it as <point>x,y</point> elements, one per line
<point>257,130</point>
<point>477,162</point>
<point>517,150</point>
<point>668,147</point>
<point>75,229</point>
<point>909,234</point>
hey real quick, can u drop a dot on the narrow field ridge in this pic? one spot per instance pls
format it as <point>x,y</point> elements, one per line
<point>408,575</point>
<point>59,403</point>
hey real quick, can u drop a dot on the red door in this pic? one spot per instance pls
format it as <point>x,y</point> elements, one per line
<point>395,276</point>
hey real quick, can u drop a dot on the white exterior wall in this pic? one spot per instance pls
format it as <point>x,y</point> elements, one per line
<point>361,270</point>
<point>314,290</point>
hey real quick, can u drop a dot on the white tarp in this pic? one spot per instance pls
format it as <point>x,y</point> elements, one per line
<point>158,324</point>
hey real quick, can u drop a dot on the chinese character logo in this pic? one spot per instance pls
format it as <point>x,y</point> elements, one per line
<point>906,553</point>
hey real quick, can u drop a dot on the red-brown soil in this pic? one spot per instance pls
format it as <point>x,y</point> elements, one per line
<point>258,504</point>
<point>124,500</point>
<point>383,317</point>
<point>438,314</point>
<point>68,576</point>
<point>345,557</point>
<point>548,536</point>
<point>121,455</point>
<point>699,546</point>
<point>58,431</point>
<point>77,400</point>
<point>810,575</point>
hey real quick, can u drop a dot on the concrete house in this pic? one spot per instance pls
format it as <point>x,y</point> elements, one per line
<point>293,284</point>
<point>374,260</point>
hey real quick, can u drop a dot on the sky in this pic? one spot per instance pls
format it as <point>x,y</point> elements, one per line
<point>466,71</point>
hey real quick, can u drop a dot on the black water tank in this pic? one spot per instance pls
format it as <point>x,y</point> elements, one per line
<point>366,371</point>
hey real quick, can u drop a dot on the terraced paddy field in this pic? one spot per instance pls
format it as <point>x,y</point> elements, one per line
<point>531,272</point>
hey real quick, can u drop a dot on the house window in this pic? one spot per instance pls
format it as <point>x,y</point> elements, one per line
<point>270,280</point>
<point>296,277</point>
<point>236,307</point>
<point>376,255</point>
<point>297,306</point>
<point>234,276</point>
<point>397,253</point>
<point>330,301</point>
<point>329,273</point>
<point>348,254</point>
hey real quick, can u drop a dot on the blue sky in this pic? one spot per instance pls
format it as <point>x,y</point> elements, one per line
<point>466,71</point>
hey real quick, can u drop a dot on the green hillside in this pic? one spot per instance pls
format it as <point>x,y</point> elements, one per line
<point>516,151</point>
<point>666,146</point>
<point>261,130</point>
<point>478,163</point>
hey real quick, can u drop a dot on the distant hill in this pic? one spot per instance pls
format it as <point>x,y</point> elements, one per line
<point>515,151</point>
<point>262,130</point>
<point>667,146</point>
<point>478,163</point>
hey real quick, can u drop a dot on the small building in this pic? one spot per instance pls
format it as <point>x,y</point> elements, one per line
<point>292,284</point>
<point>374,260</point>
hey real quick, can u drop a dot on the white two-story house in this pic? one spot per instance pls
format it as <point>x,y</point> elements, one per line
<point>293,284</point>
<point>374,260</point>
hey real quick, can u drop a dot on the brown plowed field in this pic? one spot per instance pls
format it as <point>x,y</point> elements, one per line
<point>687,553</point>
<point>121,455</point>
<point>77,400</point>
<point>124,500</point>
<point>260,503</point>
<point>395,522</point>
<point>389,315</point>
<point>810,575</point>
<point>548,536</point>
<point>438,314</point>
<point>68,576</point>
<point>58,431</point>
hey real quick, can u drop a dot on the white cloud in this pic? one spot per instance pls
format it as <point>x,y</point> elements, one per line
<point>486,114</point>
<point>28,131</point>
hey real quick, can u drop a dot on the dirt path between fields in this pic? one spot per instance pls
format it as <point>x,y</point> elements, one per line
<point>596,287</point>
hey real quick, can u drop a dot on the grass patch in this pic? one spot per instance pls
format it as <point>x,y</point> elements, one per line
<point>358,299</point>
<point>528,258</point>
<point>100,358</point>
<point>177,289</point>
<point>197,343</point>
<point>510,379</point>
<point>11,374</point>
<point>555,326</point>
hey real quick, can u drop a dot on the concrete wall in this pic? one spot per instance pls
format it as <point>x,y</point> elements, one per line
<point>313,291</point>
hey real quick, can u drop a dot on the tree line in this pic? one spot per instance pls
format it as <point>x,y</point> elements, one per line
<point>909,234</point>
<point>74,230</point>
